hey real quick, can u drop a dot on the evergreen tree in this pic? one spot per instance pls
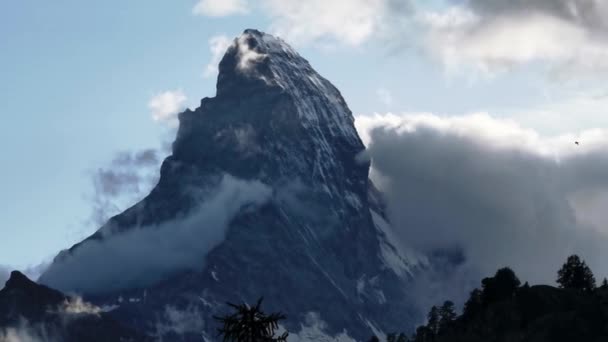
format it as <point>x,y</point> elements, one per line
<point>447,315</point>
<point>423,334</point>
<point>575,274</point>
<point>503,285</point>
<point>392,337</point>
<point>473,305</point>
<point>402,338</point>
<point>604,284</point>
<point>433,321</point>
<point>250,324</point>
<point>374,338</point>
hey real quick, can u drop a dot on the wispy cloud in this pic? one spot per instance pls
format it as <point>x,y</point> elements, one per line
<point>220,8</point>
<point>162,248</point>
<point>166,105</point>
<point>218,46</point>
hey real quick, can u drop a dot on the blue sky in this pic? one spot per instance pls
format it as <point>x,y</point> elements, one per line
<point>77,79</point>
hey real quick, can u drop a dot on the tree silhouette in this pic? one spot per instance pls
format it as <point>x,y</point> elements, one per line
<point>402,338</point>
<point>575,274</point>
<point>473,305</point>
<point>447,314</point>
<point>501,286</point>
<point>250,324</point>
<point>433,321</point>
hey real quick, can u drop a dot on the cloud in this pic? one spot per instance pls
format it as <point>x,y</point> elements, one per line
<point>565,113</point>
<point>187,321</point>
<point>491,193</point>
<point>570,35</point>
<point>247,56</point>
<point>220,8</point>
<point>348,22</point>
<point>166,105</point>
<point>351,22</point>
<point>26,332</point>
<point>162,249</point>
<point>218,46</point>
<point>125,180</point>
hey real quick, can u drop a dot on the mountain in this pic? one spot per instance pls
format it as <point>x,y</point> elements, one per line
<point>266,193</point>
<point>32,312</point>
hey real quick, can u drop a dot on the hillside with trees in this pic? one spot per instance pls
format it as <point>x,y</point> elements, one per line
<point>503,310</point>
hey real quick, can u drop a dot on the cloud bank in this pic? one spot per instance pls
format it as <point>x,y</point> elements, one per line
<point>161,250</point>
<point>492,193</point>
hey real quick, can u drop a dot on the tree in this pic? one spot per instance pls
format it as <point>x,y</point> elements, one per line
<point>447,315</point>
<point>423,334</point>
<point>433,321</point>
<point>392,337</point>
<point>502,286</point>
<point>374,338</point>
<point>473,305</point>
<point>575,274</point>
<point>250,324</point>
<point>604,284</point>
<point>402,338</point>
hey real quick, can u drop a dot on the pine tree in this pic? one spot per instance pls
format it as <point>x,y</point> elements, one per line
<point>604,284</point>
<point>502,286</point>
<point>402,338</point>
<point>250,324</point>
<point>473,305</point>
<point>392,337</point>
<point>575,274</point>
<point>433,321</point>
<point>447,315</point>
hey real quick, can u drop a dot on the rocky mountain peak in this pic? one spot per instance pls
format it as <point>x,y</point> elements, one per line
<point>19,280</point>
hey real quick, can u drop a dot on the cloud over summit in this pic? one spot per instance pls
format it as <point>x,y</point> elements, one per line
<point>502,194</point>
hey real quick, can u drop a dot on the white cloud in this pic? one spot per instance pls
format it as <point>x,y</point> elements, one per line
<point>502,194</point>
<point>493,36</point>
<point>565,112</point>
<point>220,8</point>
<point>166,105</point>
<point>351,22</point>
<point>218,46</point>
<point>163,248</point>
<point>247,56</point>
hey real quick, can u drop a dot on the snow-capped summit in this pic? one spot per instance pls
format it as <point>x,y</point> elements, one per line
<point>264,195</point>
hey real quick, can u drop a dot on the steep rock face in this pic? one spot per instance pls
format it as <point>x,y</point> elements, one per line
<point>318,244</point>
<point>29,311</point>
